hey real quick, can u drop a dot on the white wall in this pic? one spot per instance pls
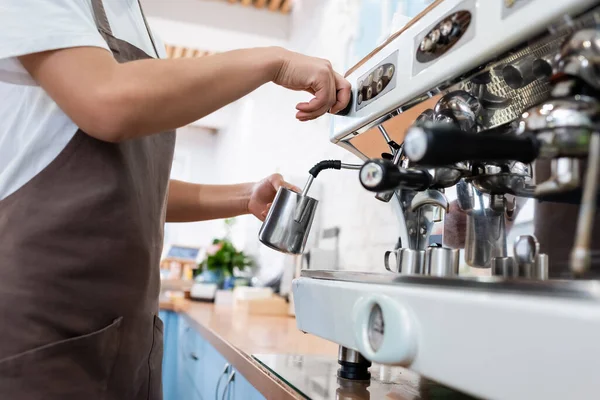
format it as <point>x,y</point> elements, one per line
<point>195,162</point>
<point>263,137</point>
<point>266,138</point>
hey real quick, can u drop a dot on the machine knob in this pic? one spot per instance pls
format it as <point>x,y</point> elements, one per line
<point>580,56</point>
<point>437,145</point>
<point>519,74</point>
<point>460,108</point>
<point>348,108</point>
<point>380,175</point>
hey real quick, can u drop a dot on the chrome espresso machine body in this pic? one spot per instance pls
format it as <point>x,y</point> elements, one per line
<point>473,98</point>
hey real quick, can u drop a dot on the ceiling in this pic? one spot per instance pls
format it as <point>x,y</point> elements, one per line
<point>280,6</point>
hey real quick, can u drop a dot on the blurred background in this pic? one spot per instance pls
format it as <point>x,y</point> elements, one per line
<point>259,135</point>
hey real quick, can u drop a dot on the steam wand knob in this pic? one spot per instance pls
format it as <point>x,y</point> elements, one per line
<point>380,175</point>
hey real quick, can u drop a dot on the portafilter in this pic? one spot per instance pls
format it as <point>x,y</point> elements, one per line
<point>290,217</point>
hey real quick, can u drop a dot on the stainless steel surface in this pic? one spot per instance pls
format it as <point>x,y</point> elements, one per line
<point>585,290</point>
<point>308,185</point>
<point>314,377</point>
<point>288,222</point>
<point>519,74</point>
<point>580,256</point>
<point>526,250</point>
<point>419,222</point>
<point>504,267</point>
<point>386,137</point>
<point>542,265</point>
<point>571,112</point>
<point>407,261</point>
<point>486,225</point>
<point>442,262</point>
<point>429,197</point>
<point>580,56</point>
<point>463,108</point>
<point>564,178</point>
<point>230,380</point>
<point>352,356</point>
<point>354,167</point>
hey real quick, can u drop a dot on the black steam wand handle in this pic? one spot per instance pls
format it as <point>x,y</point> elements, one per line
<point>443,144</point>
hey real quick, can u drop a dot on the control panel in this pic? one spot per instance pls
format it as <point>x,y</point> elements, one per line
<point>377,82</point>
<point>452,30</point>
<point>443,36</point>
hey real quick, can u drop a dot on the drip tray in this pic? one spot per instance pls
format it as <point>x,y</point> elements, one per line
<point>316,378</point>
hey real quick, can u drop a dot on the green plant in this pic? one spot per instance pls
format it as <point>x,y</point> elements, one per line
<point>225,257</point>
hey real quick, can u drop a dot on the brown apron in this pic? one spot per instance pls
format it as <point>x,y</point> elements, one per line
<point>79,267</point>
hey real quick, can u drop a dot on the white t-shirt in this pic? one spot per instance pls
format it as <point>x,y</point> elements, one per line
<point>33,129</point>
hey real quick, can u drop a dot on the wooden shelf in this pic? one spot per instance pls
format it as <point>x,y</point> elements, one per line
<point>281,6</point>
<point>186,52</point>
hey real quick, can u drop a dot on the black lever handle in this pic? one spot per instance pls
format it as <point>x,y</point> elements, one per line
<point>379,175</point>
<point>442,144</point>
<point>348,107</point>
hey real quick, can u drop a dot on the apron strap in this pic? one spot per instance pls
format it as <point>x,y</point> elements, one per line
<point>148,29</point>
<point>100,16</point>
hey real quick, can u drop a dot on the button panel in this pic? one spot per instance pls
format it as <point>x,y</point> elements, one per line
<point>377,82</point>
<point>443,36</point>
<point>450,32</point>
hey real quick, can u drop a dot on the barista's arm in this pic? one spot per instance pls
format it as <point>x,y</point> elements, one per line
<point>115,102</point>
<point>188,202</point>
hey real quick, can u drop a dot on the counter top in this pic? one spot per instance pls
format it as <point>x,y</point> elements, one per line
<point>237,336</point>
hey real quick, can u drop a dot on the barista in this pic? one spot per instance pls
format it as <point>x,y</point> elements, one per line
<point>87,123</point>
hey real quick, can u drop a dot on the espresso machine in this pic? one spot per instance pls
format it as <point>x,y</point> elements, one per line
<point>472,109</point>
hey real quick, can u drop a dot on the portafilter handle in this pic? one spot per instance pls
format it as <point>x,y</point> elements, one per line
<point>437,145</point>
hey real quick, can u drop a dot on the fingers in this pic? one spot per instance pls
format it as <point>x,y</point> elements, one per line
<point>277,181</point>
<point>332,96</point>
<point>291,187</point>
<point>264,214</point>
<point>324,86</point>
<point>343,93</point>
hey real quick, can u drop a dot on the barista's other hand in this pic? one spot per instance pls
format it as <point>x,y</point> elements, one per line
<point>264,192</point>
<point>316,76</point>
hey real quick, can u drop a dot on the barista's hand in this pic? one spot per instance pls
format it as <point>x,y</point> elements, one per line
<point>316,76</point>
<point>264,192</point>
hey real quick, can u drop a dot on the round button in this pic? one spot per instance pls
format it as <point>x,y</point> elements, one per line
<point>369,93</point>
<point>446,28</point>
<point>378,74</point>
<point>369,80</point>
<point>415,143</point>
<point>435,35</point>
<point>359,99</point>
<point>371,174</point>
<point>385,330</point>
<point>389,72</point>
<point>379,87</point>
<point>426,44</point>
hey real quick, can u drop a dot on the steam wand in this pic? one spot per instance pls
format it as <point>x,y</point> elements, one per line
<point>327,164</point>
<point>580,256</point>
